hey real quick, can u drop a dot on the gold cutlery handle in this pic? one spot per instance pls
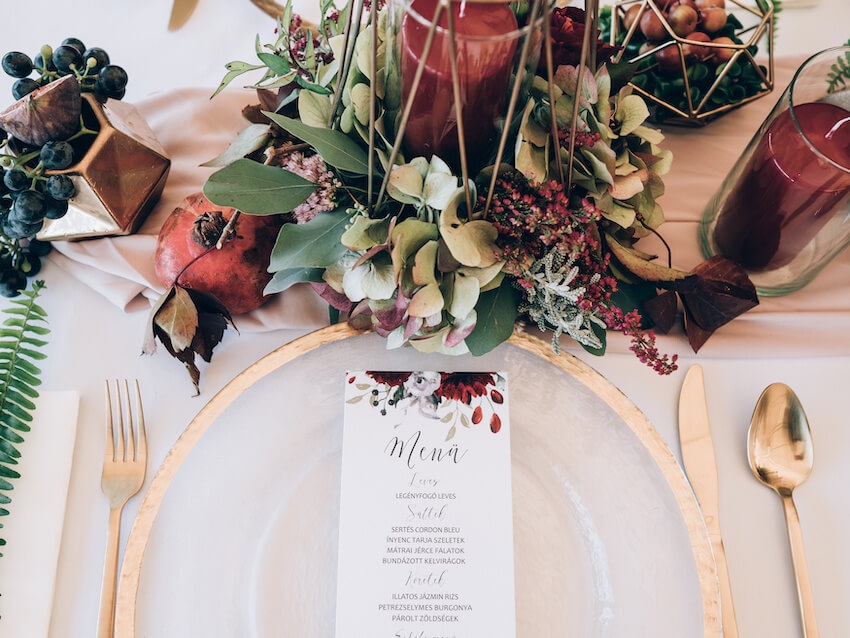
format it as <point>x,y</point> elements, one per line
<point>801,569</point>
<point>106,617</point>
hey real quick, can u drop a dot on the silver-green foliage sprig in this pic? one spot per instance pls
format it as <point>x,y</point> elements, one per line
<point>20,346</point>
<point>553,301</point>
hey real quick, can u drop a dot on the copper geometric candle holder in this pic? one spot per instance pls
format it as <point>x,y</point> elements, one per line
<point>118,180</point>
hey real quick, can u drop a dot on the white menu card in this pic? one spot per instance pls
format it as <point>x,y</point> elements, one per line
<point>426,528</point>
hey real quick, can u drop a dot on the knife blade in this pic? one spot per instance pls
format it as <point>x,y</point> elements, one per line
<point>180,12</point>
<point>701,468</point>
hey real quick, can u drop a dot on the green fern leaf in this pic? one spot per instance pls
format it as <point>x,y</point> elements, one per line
<point>839,75</point>
<point>19,347</point>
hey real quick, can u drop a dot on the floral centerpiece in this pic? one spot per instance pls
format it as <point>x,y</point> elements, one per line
<point>450,265</point>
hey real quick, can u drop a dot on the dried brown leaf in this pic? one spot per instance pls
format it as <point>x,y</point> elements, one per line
<point>178,318</point>
<point>187,322</point>
<point>661,309</point>
<point>724,292</point>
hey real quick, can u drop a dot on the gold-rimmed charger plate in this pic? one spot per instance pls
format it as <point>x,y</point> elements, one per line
<point>609,540</point>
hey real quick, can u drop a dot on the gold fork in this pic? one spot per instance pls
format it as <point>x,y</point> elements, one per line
<point>123,475</point>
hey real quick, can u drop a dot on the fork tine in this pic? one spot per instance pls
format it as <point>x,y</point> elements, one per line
<point>142,450</point>
<point>109,454</point>
<point>130,453</point>
<point>119,452</point>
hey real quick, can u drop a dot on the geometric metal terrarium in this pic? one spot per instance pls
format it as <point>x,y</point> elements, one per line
<point>692,81</point>
<point>119,178</point>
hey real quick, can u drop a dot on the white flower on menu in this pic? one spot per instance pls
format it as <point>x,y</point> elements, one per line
<point>422,383</point>
<point>419,391</point>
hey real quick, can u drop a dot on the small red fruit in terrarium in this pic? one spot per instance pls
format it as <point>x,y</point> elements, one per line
<point>712,19</point>
<point>497,397</point>
<point>694,50</point>
<point>669,60</point>
<point>651,26</point>
<point>705,4</point>
<point>682,19</point>
<point>236,273</point>
<point>630,16</point>
<point>722,55</point>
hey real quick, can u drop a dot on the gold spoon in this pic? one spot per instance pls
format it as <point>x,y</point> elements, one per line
<point>780,453</point>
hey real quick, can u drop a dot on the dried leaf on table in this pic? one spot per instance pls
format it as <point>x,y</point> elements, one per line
<point>724,291</point>
<point>662,310</point>
<point>187,322</point>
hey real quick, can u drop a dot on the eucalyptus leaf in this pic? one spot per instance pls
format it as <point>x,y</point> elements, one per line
<point>284,279</point>
<point>234,70</point>
<point>336,148</point>
<point>315,244</point>
<point>312,86</point>
<point>249,140</point>
<point>279,65</point>
<point>497,313</point>
<point>283,80</point>
<point>257,189</point>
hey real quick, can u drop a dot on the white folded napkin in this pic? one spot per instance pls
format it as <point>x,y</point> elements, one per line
<point>33,529</point>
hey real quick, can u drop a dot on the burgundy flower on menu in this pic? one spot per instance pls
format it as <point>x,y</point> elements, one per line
<point>392,379</point>
<point>567,36</point>
<point>464,386</point>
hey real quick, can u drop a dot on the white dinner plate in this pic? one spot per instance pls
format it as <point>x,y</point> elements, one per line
<point>608,538</point>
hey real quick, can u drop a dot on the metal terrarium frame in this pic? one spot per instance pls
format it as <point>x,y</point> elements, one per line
<point>697,112</point>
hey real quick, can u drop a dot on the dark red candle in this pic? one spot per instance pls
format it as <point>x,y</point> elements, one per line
<point>485,56</point>
<point>787,192</point>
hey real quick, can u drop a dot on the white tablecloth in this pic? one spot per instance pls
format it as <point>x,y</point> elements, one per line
<point>805,345</point>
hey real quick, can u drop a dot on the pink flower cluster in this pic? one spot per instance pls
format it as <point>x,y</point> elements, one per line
<point>313,168</point>
<point>297,45</point>
<point>582,138</point>
<point>532,220</point>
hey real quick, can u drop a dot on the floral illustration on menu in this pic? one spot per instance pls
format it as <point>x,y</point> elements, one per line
<point>464,399</point>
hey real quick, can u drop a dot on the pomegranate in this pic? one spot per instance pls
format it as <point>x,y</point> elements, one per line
<point>235,274</point>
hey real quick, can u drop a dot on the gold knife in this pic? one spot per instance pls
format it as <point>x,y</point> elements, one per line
<point>701,468</point>
<point>180,12</point>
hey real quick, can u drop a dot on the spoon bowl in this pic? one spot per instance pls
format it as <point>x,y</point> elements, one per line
<point>780,451</point>
<point>780,440</point>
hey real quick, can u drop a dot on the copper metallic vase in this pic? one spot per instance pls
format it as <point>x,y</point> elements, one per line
<point>118,180</point>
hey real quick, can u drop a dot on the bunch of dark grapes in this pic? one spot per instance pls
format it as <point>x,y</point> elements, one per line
<point>27,198</point>
<point>28,194</point>
<point>91,66</point>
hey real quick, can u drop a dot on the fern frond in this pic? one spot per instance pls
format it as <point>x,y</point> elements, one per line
<point>19,347</point>
<point>839,73</point>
